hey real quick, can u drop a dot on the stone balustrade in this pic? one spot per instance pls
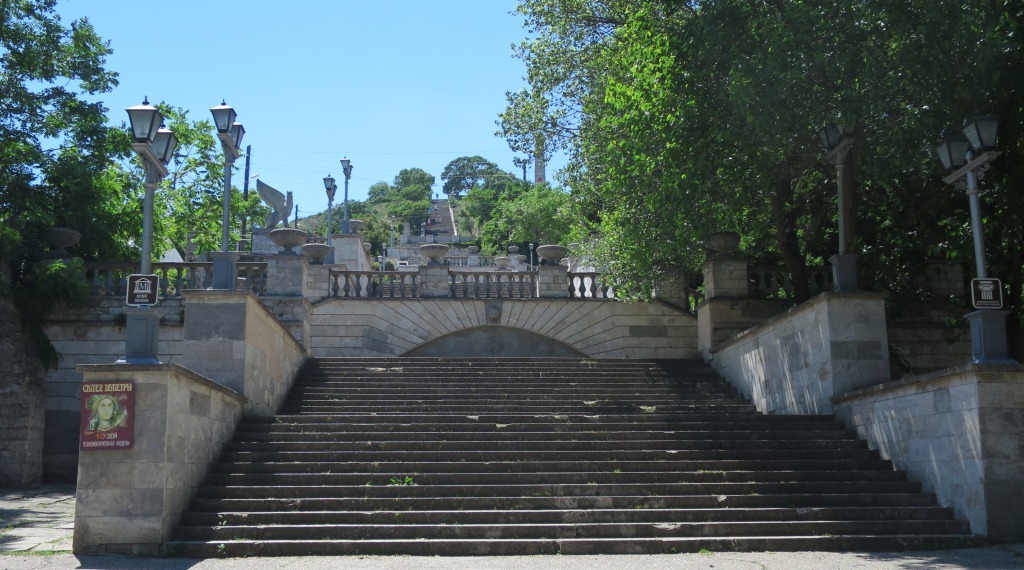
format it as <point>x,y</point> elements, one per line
<point>373,284</point>
<point>775,281</point>
<point>111,279</point>
<point>493,285</point>
<point>587,285</point>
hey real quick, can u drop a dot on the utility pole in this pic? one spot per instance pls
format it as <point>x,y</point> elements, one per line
<point>245,188</point>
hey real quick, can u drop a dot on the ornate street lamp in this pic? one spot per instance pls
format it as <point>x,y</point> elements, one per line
<point>155,146</point>
<point>331,187</point>
<point>966,157</point>
<point>346,166</point>
<point>230,134</point>
<point>838,141</point>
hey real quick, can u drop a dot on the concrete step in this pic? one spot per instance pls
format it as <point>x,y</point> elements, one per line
<point>574,516</point>
<point>567,546</point>
<point>510,456</point>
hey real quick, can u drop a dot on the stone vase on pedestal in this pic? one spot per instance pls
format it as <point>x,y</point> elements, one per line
<point>433,252</point>
<point>61,239</point>
<point>316,252</point>
<point>551,253</point>
<point>288,238</point>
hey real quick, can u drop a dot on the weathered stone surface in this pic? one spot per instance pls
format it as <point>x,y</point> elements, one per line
<point>23,395</point>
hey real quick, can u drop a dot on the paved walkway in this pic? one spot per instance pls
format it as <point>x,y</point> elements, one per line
<point>36,528</point>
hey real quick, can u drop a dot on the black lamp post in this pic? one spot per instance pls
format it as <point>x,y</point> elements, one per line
<point>966,157</point>
<point>331,187</point>
<point>155,146</point>
<point>346,167</point>
<point>230,134</point>
<point>838,141</point>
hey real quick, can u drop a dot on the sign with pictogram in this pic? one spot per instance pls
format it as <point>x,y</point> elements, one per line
<point>987,293</point>
<point>142,290</point>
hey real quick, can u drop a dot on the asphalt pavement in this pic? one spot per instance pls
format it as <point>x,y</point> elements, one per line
<point>36,528</point>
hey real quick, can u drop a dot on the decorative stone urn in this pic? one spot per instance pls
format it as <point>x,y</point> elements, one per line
<point>366,247</point>
<point>60,239</point>
<point>501,262</point>
<point>316,252</point>
<point>551,253</point>
<point>355,225</point>
<point>723,242</point>
<point>288,238</point>
<point>473,250</point>
<point>513,249</point>
<point>434,252</point>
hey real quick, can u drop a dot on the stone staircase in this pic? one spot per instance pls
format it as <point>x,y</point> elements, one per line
<point>443,225</point>
<point>426,456</point>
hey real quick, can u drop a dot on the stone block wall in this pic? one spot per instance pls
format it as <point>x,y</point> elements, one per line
<point>598,329</point>
<point>128,501</point>
<point>231,338</point>
<point>22,421</point>
<point>931,337</point>
<point>960,433</point>
<point>797,361</point>
<point>93,335</point>
<point>552,281</point>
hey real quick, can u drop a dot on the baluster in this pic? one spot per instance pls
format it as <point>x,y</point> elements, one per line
<point>415,285</point>
<point>347,288</point>
<point>332,285</point>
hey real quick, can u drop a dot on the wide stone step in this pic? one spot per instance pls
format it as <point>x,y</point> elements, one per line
<point>509,433</point>
<point>552,455</point>
<point>567,516</point>
<point>402,491</point>
<point>398,464</point>
<point>579,478</point>
<point>573,502</point>
<point>504,530</point>
<point>532,422</point>
<point>505,407</point>
<point>345,443</point>
<point>567,546</point>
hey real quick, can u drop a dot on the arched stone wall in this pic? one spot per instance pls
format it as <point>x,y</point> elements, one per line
<point>596,329</point>
<point>495,341</point>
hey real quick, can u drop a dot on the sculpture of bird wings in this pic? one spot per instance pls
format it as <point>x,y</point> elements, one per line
<point>273,197</point>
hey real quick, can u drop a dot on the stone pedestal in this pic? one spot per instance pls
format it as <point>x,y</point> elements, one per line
<point>129,500</point>
<point>988,337</point>
<point>552,281</point>
<point>348,251</point>
<point>142,333</point>
<point>844,272</point>
<point>725,277</point>
<point>288,281</point>
<point>225,277</point>
<point>433,281</point>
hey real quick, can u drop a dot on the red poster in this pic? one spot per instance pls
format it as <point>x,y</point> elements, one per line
<point>108,415</point>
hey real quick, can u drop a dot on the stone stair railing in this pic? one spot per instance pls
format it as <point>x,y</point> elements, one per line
<point>463,284</point>
<point>111,279</point>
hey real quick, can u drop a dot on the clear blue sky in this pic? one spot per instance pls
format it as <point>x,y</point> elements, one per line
<point>391,85</point>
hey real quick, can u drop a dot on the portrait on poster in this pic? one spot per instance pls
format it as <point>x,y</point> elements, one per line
<point>108,412</point>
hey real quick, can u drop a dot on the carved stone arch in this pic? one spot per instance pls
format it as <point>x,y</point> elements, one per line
<point>493,341</point>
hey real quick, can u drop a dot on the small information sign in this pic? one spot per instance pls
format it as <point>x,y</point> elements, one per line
<point>987,293</point>
<point>108,415</point>
<point>142,290</point>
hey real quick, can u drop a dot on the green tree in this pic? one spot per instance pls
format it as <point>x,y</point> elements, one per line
<point>55,157</point>
<point>681,118</point>
<point>539,215</point>
<point>465,173</point>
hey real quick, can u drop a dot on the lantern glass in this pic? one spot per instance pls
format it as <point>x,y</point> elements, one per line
<point>953,151</point>
<point>346,165</point>
<point>223,117</point>
<point>164,144</point>
<point>237,133</point>
<point>980,131</point>
<point>145,121</point>
<point>830,136</point>
<point>329,186</point>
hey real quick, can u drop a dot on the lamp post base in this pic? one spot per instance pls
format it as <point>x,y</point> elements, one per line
<point>224,275</point>
<point>844,272</point>
<point>142,332</point>
<point>988,337</point>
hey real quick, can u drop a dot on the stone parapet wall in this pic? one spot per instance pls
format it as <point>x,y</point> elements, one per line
<point>129,500</point>
<point>22,421</point>
<point>598,329</point>
<point>959,433</point>
<point>235,340</point>
<point>796,362</point>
